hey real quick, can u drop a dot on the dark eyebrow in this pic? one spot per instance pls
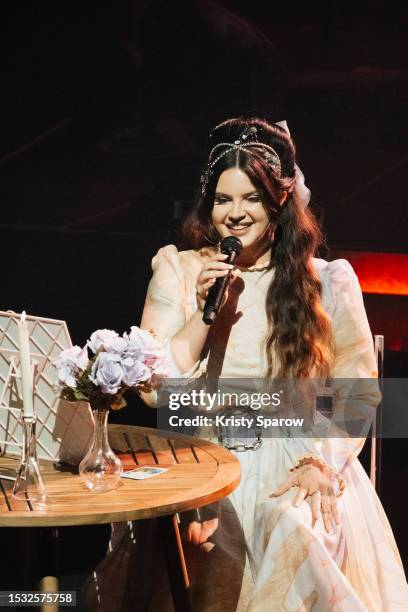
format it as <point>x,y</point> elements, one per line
<point>245,195</point>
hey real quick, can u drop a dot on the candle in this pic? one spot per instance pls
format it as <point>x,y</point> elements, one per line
<point>25,366</point>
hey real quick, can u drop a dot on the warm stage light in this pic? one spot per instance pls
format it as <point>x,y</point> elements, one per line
<point>381,273</point>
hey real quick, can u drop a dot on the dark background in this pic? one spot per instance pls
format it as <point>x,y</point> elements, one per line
<point>105,114</point>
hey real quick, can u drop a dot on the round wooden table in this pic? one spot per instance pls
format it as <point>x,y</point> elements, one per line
<point>199,473</point>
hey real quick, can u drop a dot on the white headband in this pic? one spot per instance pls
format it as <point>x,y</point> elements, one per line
<point>301,192</point>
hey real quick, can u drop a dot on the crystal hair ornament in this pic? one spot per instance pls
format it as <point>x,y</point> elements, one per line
<point>248,139</point>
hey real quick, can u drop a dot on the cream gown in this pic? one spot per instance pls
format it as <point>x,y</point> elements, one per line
<point>267,557</point>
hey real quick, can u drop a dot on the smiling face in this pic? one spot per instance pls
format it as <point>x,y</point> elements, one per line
<point>239,211</point>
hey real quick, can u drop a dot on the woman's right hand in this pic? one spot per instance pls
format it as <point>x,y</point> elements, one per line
<point>215,267</point>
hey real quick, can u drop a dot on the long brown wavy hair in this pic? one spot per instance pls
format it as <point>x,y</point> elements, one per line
<point>299,330</point>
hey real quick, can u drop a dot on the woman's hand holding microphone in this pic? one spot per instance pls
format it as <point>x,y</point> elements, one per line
<point>215,267</point>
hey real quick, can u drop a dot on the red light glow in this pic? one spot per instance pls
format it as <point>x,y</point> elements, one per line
<point>381,273</point>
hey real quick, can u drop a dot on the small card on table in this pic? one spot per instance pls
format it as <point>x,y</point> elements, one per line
<point>143,472</point>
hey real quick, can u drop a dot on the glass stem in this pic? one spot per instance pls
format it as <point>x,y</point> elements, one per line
<point>101,433</point>
<point>29,441</point>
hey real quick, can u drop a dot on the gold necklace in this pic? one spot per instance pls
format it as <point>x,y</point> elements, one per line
<point>255,268</point>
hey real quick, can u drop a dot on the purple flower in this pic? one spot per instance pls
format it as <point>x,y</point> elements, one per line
<point>102,339</point>
<point>143,338</point>
<point>134,344</point>
<point>134,372</point>
<point>118,346</point>
<point>107,373</point>
<point>69,363</point>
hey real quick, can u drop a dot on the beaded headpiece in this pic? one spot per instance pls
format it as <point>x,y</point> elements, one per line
<point>248,139</point>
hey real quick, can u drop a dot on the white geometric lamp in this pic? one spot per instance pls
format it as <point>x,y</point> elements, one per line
<point>64,429</point>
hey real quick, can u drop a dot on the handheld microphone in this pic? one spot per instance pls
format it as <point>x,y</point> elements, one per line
<point>232,247</point>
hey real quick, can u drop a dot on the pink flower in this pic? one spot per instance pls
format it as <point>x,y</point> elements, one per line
<point>153,353</point>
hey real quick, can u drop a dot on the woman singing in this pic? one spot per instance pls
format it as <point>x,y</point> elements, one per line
<point>304,530</point>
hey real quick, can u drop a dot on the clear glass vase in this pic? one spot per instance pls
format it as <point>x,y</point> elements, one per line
<point>29,485</point>
<point>100,469</point>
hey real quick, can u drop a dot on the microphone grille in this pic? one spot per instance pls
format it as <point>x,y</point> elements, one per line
<point>231,243</point>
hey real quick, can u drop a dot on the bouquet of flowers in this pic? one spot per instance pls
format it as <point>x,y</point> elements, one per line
<point>109,365</point>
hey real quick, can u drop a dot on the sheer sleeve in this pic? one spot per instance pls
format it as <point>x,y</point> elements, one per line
<point>168,306</point>
<point>354,372</point>
<point>354,377</point>
<point>164,311</point>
